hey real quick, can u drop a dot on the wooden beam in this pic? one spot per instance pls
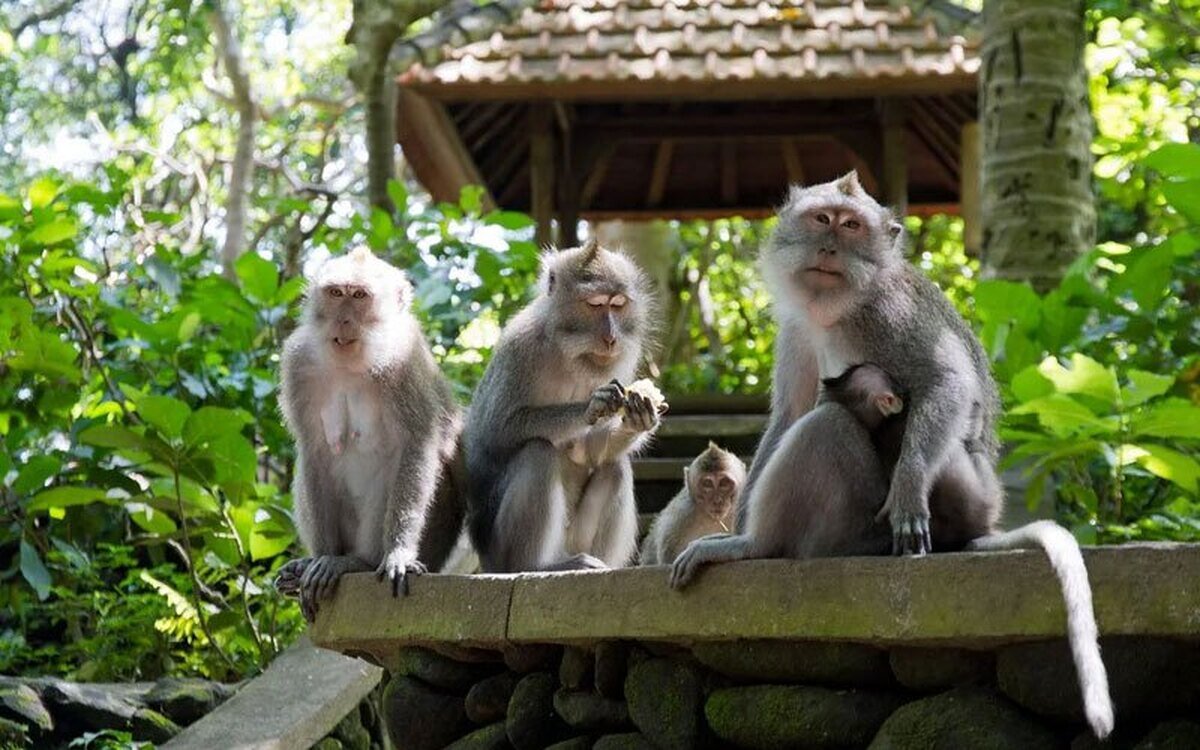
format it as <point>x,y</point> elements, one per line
<point>791,161</point>
<point>568,176</point>
<point>729,176</point>
<point>895,150</point>
<point>658,175</point>
<point>596,174</point>
<point>432,147</point>
<point>684,213</point>
<point>541,172</point>
<point>970,170</point>
<point>740,125</point>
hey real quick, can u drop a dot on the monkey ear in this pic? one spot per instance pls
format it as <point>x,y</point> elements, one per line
<point>549,282</point>
<point>895,228</point>
<point>795,192</point>
<point>712,446</point>
<point>686,473</point>
<point>849,184</point>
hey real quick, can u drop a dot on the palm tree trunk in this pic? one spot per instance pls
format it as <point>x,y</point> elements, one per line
<point>1037,207</point>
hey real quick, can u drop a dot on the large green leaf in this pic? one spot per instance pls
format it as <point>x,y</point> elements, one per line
<point>272,534</point>
<point>260,278</point>
<point>165,413</point>
<point>59,230</point>
<point>1029,384</point>
<point>1147,276</point>
<point>1180,160</point>
<point>1064,416</point>
<point>42,192</point>
<point>209,423</point>
<point>1084,376</point>
<point>1144,386</point>
<point>113,436</point>
<point>1007,301</point>
<point>150,518</point>
<point>1184,197</point>
<point>65,497</point>
<point>1172,418</point>
<point>1171,465</point>
<point>34,571</point>
<point>35,472</point>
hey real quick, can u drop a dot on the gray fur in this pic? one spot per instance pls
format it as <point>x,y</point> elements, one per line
<point>376,429</point>
<point>697,510</point>
<point>551,485</point>
<point>883,311</point>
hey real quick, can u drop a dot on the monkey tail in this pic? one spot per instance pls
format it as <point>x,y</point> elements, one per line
<point>1082,633</point>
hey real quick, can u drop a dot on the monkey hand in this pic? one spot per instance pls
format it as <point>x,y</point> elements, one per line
<point>910,528</point>
<point>641,413</point>
<point>397,566</point>
<point>686,566</point>
<point>606,401</point>
<point>320,578</point>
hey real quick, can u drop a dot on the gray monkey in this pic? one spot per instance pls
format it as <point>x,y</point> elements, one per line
<point>376,429</point>
<point>551,428</point>
<point>712,485</point>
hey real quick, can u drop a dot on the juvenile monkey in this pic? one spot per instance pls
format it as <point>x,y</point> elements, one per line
<point>376,428</point>
<point>876,400</point>
<point>706,505</point>
<point>551,428</point>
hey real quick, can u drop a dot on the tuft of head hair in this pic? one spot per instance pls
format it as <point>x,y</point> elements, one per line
<point>361,267</point>
<point>714,458</point>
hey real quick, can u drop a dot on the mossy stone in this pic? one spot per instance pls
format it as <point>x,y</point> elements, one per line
<point>531,722</point>
<point>791,716</point>
<point>420,717</point>
<point>629,741</point>
<point>930,669</point>
<point>666,701</point>
<point>806,662</point>
<point>589,711</point>
<point>975,718</point>
<point>21,703</point>
<point>487,700</point>
<point>492,737</point>
<point>438,670</point>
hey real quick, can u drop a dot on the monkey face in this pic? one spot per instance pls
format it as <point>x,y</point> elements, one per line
<point>830,237</point>
<point>355,301</point>
<point>598,304</point>
<point>716,492</point>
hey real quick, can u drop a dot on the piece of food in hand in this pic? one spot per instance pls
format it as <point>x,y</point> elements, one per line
<point>647,389</point>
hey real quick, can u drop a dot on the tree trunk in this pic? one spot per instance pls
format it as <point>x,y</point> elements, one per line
<point>1037,207</point>
<point>243,155</point>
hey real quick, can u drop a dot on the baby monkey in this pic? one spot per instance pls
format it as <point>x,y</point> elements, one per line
<point>707,504</point>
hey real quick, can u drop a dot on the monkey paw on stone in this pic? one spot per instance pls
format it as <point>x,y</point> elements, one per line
<point>910,531</point>
<point>320,578</point>
<point>605,402</point>
<point>287,578</point>
<point>397,566</point>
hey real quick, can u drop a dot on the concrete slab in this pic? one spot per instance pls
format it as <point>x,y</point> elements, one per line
<point>299,699</point>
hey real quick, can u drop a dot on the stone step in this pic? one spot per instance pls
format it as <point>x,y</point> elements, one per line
<point>711,426</point>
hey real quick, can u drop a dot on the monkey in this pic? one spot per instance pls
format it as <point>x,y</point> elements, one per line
<point>551,429</point>
<point>970,513</point>
<point>376,427</point>
<point>706,505</point>
<point>843,293</point>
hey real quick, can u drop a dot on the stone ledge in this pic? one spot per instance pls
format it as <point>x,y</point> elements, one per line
<point>972,600</point>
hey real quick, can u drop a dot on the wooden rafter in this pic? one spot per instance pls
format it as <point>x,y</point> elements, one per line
<point>791,161</point>
<point>729,175</point>
<point>659,173</point>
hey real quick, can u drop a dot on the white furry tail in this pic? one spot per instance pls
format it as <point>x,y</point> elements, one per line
<point>1082,634</point>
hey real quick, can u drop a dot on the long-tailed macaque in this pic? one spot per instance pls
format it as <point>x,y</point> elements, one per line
<point>551,428</point>
<point>712,484</point>
<point>376,429</point>
<point>971,512</point>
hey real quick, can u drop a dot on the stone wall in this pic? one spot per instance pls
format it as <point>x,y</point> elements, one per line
<point>947,651</point>
<point>784,694</point>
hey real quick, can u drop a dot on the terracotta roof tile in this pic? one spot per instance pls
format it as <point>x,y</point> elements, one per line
<point>561,41</point>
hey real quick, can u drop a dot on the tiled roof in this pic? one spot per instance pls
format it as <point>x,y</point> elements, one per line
<point>564,42</point>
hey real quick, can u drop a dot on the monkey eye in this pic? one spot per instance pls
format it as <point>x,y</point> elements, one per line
<point>618,301</point>
<point>597,301</point>
<point>851,224</point>
<point>359,294</point>
<point>823,218</point>
<point>335,292</point>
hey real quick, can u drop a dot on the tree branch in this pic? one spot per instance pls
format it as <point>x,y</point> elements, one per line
<point>239,175</point>
<point>49,14</point>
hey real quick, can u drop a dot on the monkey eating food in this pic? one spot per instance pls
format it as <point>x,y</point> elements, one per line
<point>551,427</point>
<point>376,429</point>
<point>707,503</point>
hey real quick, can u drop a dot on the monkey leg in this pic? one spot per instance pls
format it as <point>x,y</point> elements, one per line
<point>605,523</point>
<point>716,548</point>
<point>530,527</point>
<point>966,500</point>
<point>320,579</point>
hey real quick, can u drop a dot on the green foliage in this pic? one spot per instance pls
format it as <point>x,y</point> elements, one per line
<point>1101,376</point>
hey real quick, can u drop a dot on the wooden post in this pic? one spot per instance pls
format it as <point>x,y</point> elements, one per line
<point>968,190</point>
<point>895,163</point>
<point>569,182</point>
<point>541,172</point>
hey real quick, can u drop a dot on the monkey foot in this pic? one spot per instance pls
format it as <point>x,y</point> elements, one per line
<point>287,579</point>
<point>910,534</point>
<point>320,579</point>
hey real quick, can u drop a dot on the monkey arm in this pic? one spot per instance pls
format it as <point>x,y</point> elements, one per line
<point>408,502</point>
<point>554,423</point>
<point>936,421</point>
<point>716,548</point>
<point>793,394</point>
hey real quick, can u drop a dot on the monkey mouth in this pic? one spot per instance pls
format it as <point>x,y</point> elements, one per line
<point>342,342</point>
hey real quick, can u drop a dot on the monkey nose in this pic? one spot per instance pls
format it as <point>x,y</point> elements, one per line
<point>610,340</point>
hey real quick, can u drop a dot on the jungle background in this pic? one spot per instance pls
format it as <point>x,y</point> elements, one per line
<point>145,468</point>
